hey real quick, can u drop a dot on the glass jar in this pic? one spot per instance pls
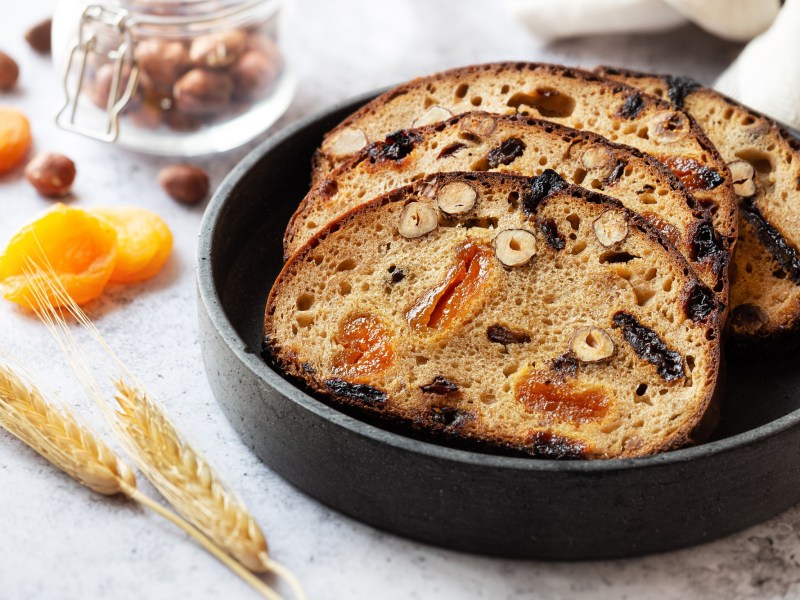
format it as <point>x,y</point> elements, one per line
<point>171,77</point>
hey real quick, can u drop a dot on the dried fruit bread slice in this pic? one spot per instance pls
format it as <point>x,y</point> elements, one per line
<point>544,319</point>
<point>482,141</point>
<point>568,96</point>
<point>764,160</point>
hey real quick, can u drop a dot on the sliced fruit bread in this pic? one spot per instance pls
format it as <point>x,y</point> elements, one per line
<point>482,141</point>
<point>568,96</point>
<point>764,159</point>
<point>547,320</point>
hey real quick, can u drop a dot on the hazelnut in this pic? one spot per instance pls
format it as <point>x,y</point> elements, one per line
<point>180,121</point>
<point>591,344</point>
<point>743,174</point>
<point>253,73</point>
<point>514,247</point>
<point>417,219</point>
<point>610,228</point>
<point>265,45</point>
<point>748,318</point>
<point>163,61</point>
<point>185,183</point>
<point>433,115</point>
<point>456,198</point>
<point>38,36</point>
<point>100,88</point>
<point>348,141</point>
<point>51,174</point>
<point>146,116</point>
<point>668,126</point>
<point>9,72</point>
<point>202,92</point>
<point>218,50</point>
<point>478,125</point>
<point>597,157</point>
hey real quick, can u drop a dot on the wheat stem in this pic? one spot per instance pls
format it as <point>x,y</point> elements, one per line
<point>235,566</point>
<point>291,580</point>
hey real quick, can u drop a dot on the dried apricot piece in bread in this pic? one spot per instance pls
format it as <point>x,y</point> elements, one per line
<point>15,138</point>
<point>80,247</point>
<point>144,242</point>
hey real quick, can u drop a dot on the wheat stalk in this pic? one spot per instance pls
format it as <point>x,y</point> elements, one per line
<point>52,430</point>
<point>176,469</point>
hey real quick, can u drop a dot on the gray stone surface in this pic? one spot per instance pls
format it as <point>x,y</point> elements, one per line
<point>59,541</point>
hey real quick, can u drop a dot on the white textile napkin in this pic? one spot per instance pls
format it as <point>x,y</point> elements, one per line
<point>766,75</point>
<point>738,20</point>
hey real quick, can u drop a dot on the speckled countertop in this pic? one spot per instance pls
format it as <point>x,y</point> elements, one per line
<point>59,541</point>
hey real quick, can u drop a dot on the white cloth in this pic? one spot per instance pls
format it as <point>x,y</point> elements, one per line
<point>766,75</point>
<point>738,20</point>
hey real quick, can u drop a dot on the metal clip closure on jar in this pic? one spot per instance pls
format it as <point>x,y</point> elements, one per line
<point>173,78</point>
<point>122,82</point>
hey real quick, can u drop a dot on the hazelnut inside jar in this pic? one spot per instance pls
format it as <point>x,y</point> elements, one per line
<point>171,77</point>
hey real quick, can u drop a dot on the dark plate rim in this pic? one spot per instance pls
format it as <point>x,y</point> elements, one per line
<point>212,305</point>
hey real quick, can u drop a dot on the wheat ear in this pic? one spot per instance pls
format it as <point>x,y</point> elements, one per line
<point>176,469</point>
<point>53,431</point>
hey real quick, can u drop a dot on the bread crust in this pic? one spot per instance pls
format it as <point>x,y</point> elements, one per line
<point>617,111</point>
<point>767,254</point>
<point>543,443</point>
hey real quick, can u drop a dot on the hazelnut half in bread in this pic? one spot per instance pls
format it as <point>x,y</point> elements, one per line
<point>568,96</point>
<point>764,160</point>
<point>544,319</point>
<point>482,141</point>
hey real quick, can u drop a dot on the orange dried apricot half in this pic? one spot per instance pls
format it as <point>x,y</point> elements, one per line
<point>15,138</point>
<point>442,305</point>
<point>80,248</point>
<point>557,399</point>
<point>144,242</point>
<point>367,348</point>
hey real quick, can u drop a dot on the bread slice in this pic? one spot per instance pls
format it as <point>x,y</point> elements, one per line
<point>546,319</point>
<point>475,141</point>
<point>564,95</point>
<point>765,159</point>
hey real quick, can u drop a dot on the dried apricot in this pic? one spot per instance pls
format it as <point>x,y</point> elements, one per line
<point>448,301</point>
<point>80,248</point>
<point>144,242</point>
<point>15,138</point>
<point>556,399</point>
<point>367,348</point>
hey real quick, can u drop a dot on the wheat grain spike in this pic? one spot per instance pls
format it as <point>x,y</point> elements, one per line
<point>54,432</point>
<point>184,477</point>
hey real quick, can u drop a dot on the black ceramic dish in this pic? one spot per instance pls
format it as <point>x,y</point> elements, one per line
<point>514,507</point>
